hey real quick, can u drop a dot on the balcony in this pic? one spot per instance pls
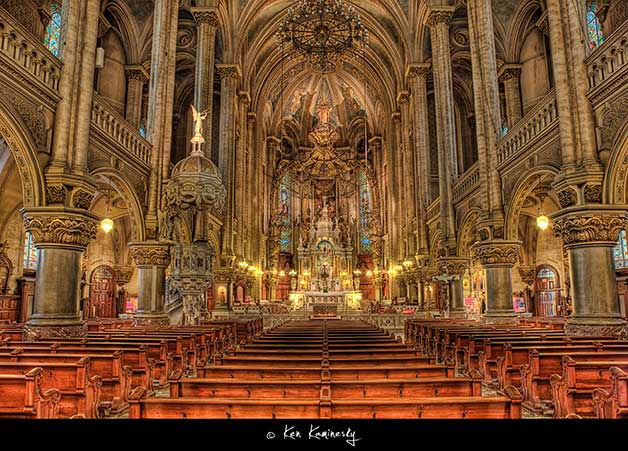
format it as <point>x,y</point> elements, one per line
<point>536,124</point>
<point>24,59</point>
<point>608,66</point>
<point>114,132</point>
<point>467,183</point>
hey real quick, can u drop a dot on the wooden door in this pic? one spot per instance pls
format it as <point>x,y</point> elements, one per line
<point>102,303</point>
<point>547,292</point>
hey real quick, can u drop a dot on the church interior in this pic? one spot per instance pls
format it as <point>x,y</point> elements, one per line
<point>313,209</point>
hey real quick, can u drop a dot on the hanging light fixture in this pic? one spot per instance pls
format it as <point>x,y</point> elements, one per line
<point>107,223</point>
<point>542,221</point>
<point>321,31</point>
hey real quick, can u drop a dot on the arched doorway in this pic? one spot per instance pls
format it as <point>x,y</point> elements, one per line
<point>102,294</point>
<point>547,292</point>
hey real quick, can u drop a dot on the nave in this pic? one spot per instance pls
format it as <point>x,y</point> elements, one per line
<point>314,369</point>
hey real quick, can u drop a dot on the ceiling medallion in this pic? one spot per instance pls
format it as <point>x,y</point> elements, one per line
<point>322,31</point>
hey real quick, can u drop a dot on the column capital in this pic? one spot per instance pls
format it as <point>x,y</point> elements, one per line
<point>244,97</point>
<point>454,266</point>
<point>137,72</point>
<point>439,15</point>
<point>509,71</point>
<point>150,253</point>
<point>123,274</point>
<point>103,25</point>
<point>418,70</point>
<point>205,15</point>
<point>589,225</point>
<point>251,117</point>
<point>497,252</point>
<point>229,71</point>
<point>403,97</point>
<point>527,274</point>
<point>396,117</point>
<point>71,228</point>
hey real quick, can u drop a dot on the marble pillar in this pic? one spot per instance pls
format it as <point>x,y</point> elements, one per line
<point>240,182</point>
<point>136,77</point>
<point>151,258</point>
<point>61,235</point>
<point>498,257</point>
<point>510,75</point>
<point>589,233</point>
<point>408,175</point>
<point>206,25</point>
<point>438,21</point>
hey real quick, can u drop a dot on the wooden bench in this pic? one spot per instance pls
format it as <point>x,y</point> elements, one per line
<point>572,391</point>
<point>80,394</point>
<point>612,402</point>
<point>22,396</point>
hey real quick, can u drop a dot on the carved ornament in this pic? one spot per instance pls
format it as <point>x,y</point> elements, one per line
<point>497,252</point>
<point>589,227</point>
<point>149,254</point>
<point>60,228</point>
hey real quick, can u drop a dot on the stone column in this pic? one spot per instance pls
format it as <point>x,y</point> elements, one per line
<point>229,75</point>
<point>151,258</point>
<point>589,233</point>
<point>206,25</point>
<point>160,97</point>
<point>498,257</point>
<point>438,21</point>
<point>61,235</point>
<point>240,182</point>
<point>454,268</point>
<point>417,75</point>
<point>252,189</point>
<point>408,173</point>
<point>510,75</point>
<point>86,88</point>
<point>136,77</point>
<point>397,190</point>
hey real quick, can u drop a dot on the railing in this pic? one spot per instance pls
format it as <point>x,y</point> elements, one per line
<point>433,209</point>
<point>113,125</point>
<point>537,122</point>
<point>19,46</point>
<point>467,183</point>
<point>609,59</point>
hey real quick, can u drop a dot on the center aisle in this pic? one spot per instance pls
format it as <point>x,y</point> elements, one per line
<point>326,369</point>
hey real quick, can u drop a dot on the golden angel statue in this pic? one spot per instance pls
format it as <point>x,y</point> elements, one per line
<point>198,121</point>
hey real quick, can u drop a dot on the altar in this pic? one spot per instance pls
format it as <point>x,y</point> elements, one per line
<point>336,302</point>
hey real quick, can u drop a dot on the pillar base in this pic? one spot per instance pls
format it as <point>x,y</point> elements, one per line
<point>596,326</point>
<point>500,317</point>
<point>150,320</point>
<point>38,332</point>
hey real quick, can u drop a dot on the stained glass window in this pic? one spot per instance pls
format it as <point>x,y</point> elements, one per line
<point>594,28</point>
<point>53,31</point>
<point>31,255</point>
<point>143,129</point>
<point>285,237</point>
<point>365,212</point>
<point>620,251</point>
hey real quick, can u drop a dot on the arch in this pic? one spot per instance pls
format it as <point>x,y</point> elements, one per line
<point>20,142</point>
<point>466,231</point>
<point>616,175</point>
<point>523,187</point>
<point>124,188</point>
<point>435,247</point>
<point>112,78</point>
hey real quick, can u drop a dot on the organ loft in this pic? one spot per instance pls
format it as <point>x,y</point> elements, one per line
<point>313,209</point>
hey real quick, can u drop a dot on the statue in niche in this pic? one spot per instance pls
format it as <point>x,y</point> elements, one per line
<point>305,226</point>
<point>343,230</point>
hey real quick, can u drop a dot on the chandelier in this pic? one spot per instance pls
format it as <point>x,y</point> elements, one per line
<point>321,31</point>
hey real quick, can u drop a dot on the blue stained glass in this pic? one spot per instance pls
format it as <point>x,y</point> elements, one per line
<point>594,28</point>
<point>52,36</point>
<point>365,212</point>
<point>31,255</point>
<point>285,237</point>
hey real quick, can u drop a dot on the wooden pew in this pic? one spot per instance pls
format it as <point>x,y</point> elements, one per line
<point>80,394</point>
<point>612,402</point>
<point>22,396</point>
<point>572,391</point>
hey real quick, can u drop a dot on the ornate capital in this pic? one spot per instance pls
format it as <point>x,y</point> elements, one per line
<point>123,274</point>
<point>228,71</point>
<point>593,193</point>
<point>244,97</point>
<point>497,252</point>
<point>439,15</point>
<point>82,199</point>
<point>567,197</point>
<point>55,194</point>
<point>586,225</point>
<point>527,274</point>
<point>205,16</point>
<point>510,71</point>
<point>418,70</point>
<point>403,97</point>
<point>453,266</point>
<point>150,254</point>
<point>64,227</point>
<point>103,25</point>
<point>137,72</point>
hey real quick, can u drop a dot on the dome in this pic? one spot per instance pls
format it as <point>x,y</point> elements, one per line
<point>195,164</point>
